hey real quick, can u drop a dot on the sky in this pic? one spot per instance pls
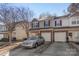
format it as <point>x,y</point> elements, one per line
<point>39,8</point>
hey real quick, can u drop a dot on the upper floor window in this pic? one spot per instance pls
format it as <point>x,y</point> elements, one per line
<point>47,23</point>
<point>73,22</point>
<point>35,24</point>
<point>58,23</point>
<point>77,22</point>
<point>2,28</point>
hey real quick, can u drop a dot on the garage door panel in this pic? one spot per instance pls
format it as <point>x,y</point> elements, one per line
<point>60,36</point>
<point>47,36</point>
<point>1,36</point>
<point>75,36</point>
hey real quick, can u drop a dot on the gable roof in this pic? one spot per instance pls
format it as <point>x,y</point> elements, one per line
<point>34,19</point>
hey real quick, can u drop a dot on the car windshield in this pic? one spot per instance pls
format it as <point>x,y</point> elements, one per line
<point>32,38</point>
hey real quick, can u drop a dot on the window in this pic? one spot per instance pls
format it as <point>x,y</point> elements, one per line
<point>2,28</point>
<point>35,24</point>
<point>73,22</point>
<point>46,23</point>
<point>58,23</point>
<point>77,22</point>
<point>70,34</point>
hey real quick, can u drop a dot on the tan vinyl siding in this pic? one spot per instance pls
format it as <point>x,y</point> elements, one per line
<point>19,33</point>
<point>41,24</point>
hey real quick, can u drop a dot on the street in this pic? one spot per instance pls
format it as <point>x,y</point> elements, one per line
<point>55,49</point>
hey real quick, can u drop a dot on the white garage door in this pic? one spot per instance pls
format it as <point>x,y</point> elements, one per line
<point>1,36</point>
<point>60,36</point>
<point>75,36</point>
<point>47,36</point>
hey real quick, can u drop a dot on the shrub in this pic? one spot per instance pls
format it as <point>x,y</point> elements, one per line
<point>4,40</point>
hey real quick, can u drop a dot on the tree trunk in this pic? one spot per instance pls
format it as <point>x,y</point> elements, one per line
<point>10,38</point>
<point>27,33</point>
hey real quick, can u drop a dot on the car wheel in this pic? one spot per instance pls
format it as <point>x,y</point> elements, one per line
<point>43,42</point>
<point>36,45</point>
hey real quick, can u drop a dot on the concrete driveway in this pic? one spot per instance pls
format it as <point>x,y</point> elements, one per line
<point>55,49</point>
<point>21,51</point>
<point>60,49</point>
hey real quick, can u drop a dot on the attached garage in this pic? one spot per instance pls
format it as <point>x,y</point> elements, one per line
<point>1,36</point>
<point>75,36</point>
<point>46,35</point>
<point>60,36</point>
<point>33,34</point>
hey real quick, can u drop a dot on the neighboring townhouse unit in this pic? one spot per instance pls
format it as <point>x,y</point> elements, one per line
<point>20,31</point>
<point>74,27</point>
<point>3,31</point>
<point>62,29</point>
<point>42,27</point>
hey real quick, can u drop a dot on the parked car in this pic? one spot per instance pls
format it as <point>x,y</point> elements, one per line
<point>33,42</point>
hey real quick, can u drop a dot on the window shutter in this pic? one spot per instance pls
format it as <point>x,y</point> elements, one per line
<point>44,23</point>
<point>60,23</point>
<point>49,23</point>
<point>38,24</point>
<point>55,23</point>
<point>32,25</point>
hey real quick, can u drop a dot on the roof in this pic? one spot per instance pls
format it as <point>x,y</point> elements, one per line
<point>75,14</point>
<point>34,19</point>
<point>62,16</point>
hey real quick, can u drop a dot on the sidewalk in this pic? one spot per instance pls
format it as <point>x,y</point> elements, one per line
<point>6,49</point>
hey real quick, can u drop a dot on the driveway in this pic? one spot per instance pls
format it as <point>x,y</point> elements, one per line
<point>60,49</point>
<point>55,49</point>
<point>21,51</point>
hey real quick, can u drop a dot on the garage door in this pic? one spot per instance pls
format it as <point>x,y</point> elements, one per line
<point>1,36</point>
<point>60,36</point>
<point>47,36</point>
<point>75,36</point>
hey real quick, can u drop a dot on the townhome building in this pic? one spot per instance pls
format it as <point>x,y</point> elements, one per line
<point>58,29</point>
<point>20,32</point>
<point>42,27</point>
<point>3,31</point>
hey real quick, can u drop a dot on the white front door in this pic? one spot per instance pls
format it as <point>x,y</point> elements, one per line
<point>47,36</point>
<point>60,36</point>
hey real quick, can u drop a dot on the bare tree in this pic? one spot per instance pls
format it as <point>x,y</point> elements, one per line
<point>46,15</point>
<point>8,17</point>
<point>73,7</point>
<point>25,14</point>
